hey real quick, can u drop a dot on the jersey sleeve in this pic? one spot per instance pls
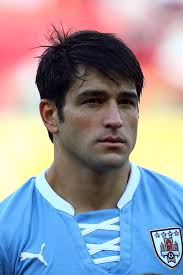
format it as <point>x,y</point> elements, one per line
<point>3,264</point>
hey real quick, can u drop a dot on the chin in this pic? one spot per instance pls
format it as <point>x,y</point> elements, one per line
<point>107,168</point>
<point>110,164</point>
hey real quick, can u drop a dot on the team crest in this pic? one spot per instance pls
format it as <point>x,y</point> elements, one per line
<point>168,245</point>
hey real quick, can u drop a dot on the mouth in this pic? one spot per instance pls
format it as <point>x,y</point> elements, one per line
<point>112,141</point>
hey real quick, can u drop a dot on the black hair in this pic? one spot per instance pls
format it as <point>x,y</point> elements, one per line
<point>104,52</point>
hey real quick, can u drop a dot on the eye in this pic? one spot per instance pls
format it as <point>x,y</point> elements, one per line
<point>93,101</point>
<point>128,102</point>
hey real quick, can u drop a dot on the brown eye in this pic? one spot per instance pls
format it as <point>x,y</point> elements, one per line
<point>127,102</point>
<point>92,101</point>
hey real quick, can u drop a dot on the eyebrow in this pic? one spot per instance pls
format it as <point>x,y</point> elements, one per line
<point>97,93</point>
<point>92,92</point>
<point>129,94</point>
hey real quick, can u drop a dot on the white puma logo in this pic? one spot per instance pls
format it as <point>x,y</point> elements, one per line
<point>28,255</point>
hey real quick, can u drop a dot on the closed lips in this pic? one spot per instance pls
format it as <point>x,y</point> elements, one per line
<point>112,139</point>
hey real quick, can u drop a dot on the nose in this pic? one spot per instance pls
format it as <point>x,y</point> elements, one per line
<point>113,117</point>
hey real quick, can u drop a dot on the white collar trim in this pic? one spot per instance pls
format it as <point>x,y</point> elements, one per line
<point>133,182</point>
<point>57,202</point>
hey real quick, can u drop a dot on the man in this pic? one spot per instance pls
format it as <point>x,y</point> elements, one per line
<point>92,211</point>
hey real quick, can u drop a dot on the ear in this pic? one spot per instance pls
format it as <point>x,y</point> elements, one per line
<point>49,115</point>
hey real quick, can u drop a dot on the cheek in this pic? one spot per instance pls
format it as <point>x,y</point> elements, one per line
<point>133,125</point>
<point>135,128</point>
<point>80,122</point>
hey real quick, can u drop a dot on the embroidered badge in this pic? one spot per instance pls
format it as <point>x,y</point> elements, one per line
<point>168,245</point>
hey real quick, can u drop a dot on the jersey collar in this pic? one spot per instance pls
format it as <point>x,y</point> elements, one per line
<point>47,192</point>
<point>132,184</point>
<point>59,203</point>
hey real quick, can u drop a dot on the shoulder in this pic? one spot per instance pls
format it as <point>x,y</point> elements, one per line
<point>14,213</point>
<point>14,207</point>
<point>161,185</point>
<point>18,198</point>
<point>157,178</point>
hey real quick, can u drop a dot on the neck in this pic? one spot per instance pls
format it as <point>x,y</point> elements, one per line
<point>85,189</point>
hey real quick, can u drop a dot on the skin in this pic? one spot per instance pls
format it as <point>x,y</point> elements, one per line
<point>88,173</point>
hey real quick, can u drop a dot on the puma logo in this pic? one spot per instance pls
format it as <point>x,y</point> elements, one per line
<point>29,255</point>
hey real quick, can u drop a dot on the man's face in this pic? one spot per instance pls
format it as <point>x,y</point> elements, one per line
<point>100,122</point>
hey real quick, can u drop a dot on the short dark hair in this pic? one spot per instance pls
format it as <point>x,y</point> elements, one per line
<point>104,52</point>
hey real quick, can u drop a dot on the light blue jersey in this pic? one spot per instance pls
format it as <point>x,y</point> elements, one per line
<point>41,234</point>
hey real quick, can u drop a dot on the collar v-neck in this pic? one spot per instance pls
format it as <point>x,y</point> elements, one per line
<point>60,204</point>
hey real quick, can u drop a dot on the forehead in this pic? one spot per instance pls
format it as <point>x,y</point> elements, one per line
<point>91,79</point>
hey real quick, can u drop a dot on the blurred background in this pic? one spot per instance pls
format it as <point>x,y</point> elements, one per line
<point>153,29</point>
